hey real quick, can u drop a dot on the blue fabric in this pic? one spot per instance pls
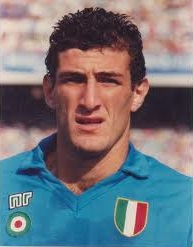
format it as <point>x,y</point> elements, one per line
<point>58,217</point>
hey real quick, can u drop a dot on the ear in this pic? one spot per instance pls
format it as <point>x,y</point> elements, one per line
<point>139,93</point>
<point>49,92</point>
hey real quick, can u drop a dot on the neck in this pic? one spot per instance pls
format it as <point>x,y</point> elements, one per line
<point>80,172</point>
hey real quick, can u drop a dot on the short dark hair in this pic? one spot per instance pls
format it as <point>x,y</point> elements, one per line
<point>97,28</point>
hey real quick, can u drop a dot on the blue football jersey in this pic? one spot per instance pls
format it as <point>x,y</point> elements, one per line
<point>144,204</point>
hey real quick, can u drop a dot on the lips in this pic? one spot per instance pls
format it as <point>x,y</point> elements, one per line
<point>89,120</point>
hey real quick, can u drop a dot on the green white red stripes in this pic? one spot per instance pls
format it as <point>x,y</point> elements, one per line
<point>18,224</point>
<point>130,216</point>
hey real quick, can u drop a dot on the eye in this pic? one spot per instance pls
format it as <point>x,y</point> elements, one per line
<point>108,80</point>
<point>72,80</point>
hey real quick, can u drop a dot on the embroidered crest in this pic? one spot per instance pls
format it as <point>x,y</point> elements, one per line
<point>20,199</point>
<point>130,216</point>
<point>18,224</point>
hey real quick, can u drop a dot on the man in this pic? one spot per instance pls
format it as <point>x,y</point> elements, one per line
<point>87,185</point>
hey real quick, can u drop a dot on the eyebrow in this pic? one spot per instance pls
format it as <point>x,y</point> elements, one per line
<point>79,74</point>
<point>71,74</point>
<point>109,74</point>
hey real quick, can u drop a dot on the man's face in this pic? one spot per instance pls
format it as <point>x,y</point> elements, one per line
<point>92,97</point>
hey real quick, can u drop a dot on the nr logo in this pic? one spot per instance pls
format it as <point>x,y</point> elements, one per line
<point>20,199</point>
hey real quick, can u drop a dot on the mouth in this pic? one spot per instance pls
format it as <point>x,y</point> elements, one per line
<point>89,120</point>
<point>89,123</point>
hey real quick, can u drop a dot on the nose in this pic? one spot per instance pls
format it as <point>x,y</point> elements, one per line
<point>90,97</point>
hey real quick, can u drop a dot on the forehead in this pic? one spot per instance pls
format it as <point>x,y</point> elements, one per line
<point>95,59</point>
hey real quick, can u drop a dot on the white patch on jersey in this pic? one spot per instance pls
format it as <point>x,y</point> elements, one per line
<point>20,199</point>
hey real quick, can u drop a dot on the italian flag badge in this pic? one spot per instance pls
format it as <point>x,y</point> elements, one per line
<point>18,224</point>
<point>130,216</point>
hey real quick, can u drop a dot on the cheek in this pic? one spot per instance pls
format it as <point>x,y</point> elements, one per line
<point>61,106</point>
<point>67,104</point>
<point>126,107</point>
<point>121,106</point>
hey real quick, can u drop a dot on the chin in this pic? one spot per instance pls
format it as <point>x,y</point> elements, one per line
<point>89,149</point>
<point>90,154</point>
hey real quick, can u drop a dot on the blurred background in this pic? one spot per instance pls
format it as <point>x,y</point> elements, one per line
<point>163,127</point>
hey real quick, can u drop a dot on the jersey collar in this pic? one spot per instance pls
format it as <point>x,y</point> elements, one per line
<point>34,160</point>
<point>136,163</point>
